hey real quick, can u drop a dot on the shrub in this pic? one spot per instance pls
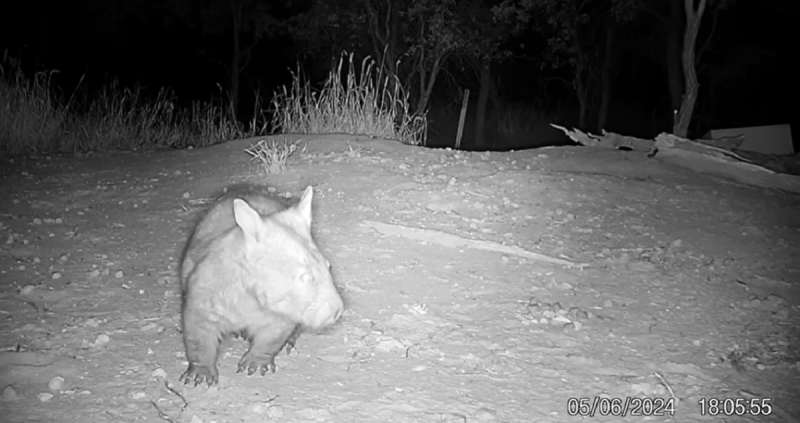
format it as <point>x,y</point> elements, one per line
<point>369,103</point>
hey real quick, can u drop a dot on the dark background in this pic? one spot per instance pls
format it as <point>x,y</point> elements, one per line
<point>147,42</point>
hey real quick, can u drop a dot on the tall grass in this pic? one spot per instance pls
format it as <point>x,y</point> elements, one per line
<point>369,103</point>
<point>522,125</point>
<point>30,115</point>
<point>34,119</point>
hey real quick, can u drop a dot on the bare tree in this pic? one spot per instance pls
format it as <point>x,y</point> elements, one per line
<point>693,18</point>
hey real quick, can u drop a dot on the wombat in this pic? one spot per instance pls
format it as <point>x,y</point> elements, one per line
<point>252,269</point>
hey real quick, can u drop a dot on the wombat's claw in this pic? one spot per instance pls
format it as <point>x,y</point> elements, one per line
<point>261,365</point>
<point>199,374</point>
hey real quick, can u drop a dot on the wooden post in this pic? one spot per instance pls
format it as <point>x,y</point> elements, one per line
<point>461,119</point>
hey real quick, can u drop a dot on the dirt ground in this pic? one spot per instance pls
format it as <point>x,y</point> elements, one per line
<point>676,299</point>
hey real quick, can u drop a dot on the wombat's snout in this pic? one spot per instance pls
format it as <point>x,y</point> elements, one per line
<point>337,314</point>
<point>337,308</point>
<point>324,312</point>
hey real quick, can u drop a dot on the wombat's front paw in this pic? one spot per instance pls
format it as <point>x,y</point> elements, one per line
<point>262,364</point>
<point>289,347</point>
<point>199,373</point>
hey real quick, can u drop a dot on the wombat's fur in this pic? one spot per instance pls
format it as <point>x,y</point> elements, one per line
<point>251,268</point>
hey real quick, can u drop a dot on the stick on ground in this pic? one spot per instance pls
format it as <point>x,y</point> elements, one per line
<point>454,241</point>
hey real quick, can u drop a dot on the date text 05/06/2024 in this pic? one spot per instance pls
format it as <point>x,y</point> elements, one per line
<point>622,407</point>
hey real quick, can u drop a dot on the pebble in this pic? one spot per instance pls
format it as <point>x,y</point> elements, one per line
<point>56,383</point>
<point>136,395</point>
<point>275,412</point>
<point>9,393</point>
<point>101,340</point>
<point>485,414</point>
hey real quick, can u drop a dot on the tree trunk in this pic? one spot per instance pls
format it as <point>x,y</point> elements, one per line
<point>483,98</point>
<point>605,79</point>
<point>693,18</point>
<point>581,85</point>
<point>426,87</point>
<point>581,90</point>
<point>383,27</point>
<point>673,58</point>
<point>236,59</point>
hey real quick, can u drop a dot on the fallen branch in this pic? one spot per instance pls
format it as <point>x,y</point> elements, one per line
<point>704,156</point>
<point>454,241</point>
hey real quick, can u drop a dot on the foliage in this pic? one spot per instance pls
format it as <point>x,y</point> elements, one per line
<point>30,115</point>
<point>521,124</point>
<point>411,39</point>
<point>34,120</point>
<point>271,157</point>
<point>362,105</point>
<point>561,21</point>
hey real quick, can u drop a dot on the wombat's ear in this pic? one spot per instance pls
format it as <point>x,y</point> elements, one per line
<point>304,208</point>
<point>247,218</point>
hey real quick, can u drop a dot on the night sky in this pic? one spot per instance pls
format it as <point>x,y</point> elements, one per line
<point>173,43</point>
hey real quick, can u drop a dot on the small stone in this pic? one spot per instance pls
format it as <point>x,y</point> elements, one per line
<point>56,383</point>
<point>159,374</point>
<point>9,393</point>
<point>485,414</point>
<point>63,258</point>
<point>94,273</point>
<point>56,275</point>
<point>101,340</point>
<point>136,395</point>
<point>37,221</point>
<point>118,274</point>
<point>275,412</point>
<point>45,396</point>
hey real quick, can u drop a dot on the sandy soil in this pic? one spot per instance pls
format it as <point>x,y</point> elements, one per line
<point>687,303</point>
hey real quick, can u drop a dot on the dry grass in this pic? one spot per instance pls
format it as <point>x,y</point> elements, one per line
<point>369,103</point>
<point>34,120</point>
<point>520,124</point>
<point>271,157</point>
<point>30,117</point>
